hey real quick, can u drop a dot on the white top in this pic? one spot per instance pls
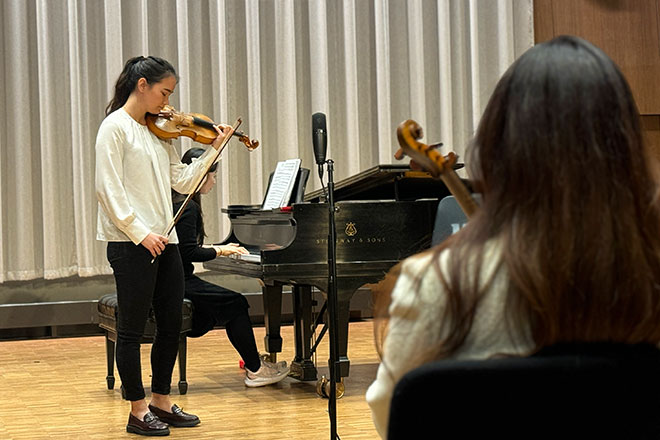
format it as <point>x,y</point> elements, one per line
<point>415,325</point>
<point>135,172</point>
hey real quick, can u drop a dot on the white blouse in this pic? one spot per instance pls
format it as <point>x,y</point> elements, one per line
<point>418,302</point>
<point>135,172</point>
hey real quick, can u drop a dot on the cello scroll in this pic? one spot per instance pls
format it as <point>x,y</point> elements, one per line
<point>408,133</point>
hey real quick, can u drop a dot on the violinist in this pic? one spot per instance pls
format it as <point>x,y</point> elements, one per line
<point>135,172</point>
<point>565,246</point>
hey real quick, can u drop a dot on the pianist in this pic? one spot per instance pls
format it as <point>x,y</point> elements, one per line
<point>215,305</point>
<point>565,245</point>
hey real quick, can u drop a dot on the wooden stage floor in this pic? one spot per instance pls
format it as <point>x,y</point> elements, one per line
<point>56,389</point>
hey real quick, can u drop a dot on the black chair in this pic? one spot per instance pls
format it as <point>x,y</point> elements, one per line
<point>588,391</point>
<point>107,309</point>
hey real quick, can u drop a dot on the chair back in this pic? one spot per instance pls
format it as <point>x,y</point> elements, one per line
<point>449,218</point>
<point>603,391</point>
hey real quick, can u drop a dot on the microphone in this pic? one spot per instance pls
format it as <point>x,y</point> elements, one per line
<point>319,137</point>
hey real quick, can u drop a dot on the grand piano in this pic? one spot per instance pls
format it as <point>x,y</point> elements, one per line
<point>383,214</point>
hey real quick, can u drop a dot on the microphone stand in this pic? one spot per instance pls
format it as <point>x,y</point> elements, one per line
<point>333,319</point>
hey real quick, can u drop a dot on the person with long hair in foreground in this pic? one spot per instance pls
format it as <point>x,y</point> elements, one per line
<point>566,244</point>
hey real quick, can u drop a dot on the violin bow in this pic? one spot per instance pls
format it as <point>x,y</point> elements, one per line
<point>200,179</point>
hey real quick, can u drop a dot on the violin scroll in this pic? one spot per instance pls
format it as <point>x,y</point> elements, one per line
<point>251,144</point>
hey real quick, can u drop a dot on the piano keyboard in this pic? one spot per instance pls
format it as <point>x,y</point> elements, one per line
<point>252,258</point>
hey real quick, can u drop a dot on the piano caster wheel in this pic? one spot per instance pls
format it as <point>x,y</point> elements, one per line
<point>323,388</point>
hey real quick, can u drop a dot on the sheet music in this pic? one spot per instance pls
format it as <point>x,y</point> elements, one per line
<point>279,191</point>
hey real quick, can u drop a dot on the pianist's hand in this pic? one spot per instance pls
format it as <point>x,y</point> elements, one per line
<point>229,249</point>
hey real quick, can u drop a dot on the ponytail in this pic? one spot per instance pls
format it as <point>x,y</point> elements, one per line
<point>153,69</point>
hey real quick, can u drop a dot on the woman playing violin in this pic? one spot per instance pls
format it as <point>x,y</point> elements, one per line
<point>565,247</point>
<point>135,172</point>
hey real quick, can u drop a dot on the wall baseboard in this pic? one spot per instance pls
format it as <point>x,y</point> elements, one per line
<point>80,318</point>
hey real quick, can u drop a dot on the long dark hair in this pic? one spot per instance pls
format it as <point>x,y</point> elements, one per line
<point>569,197</point>
<point>187,158</point>
<point>151,68</point>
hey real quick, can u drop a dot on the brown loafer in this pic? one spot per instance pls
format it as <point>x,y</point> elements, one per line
<point>150,425</point>
<point>176,418</point>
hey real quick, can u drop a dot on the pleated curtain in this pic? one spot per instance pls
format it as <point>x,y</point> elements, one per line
<point>366,64</point>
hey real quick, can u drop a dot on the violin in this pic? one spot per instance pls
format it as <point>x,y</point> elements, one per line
<point>408,133</point>
<point>202,176</point>
<point>170,124</point>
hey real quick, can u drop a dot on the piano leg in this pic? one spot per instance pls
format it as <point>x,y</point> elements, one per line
<point>302,367</point>
<point>346,287</point>
<point>272,297</point>
<point>343,311</point>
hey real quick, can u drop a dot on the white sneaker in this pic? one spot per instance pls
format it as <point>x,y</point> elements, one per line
<point>280,365</point>
<point>267,374</point>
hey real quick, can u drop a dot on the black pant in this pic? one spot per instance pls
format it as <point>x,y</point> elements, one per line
<point>216,306</point>
<point>142,285</point>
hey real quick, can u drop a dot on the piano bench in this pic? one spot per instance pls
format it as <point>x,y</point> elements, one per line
<point>107,309</point>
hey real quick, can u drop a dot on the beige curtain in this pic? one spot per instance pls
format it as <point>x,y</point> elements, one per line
<point>367,64</point>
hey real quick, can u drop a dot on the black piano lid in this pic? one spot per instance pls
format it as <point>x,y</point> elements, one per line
<point>386,182</point>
